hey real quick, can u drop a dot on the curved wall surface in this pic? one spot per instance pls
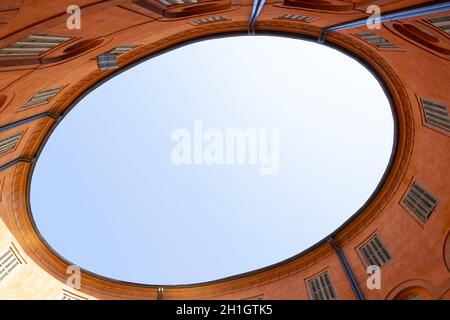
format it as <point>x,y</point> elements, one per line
<point>46,67</point>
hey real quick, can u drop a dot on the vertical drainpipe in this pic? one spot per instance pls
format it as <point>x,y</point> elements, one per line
<point>160,293</point>
<point>403,14</point>
<point>345,266</point>
<point>27,120</point>
<point>250,19</point>
<point>21,123</point>
<point>256,10</point>
<point>16,161</point>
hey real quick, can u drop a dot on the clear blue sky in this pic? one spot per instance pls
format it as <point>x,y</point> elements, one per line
<point>106,195</point>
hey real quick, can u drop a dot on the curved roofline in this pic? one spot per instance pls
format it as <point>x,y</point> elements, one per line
<point>225,34</point>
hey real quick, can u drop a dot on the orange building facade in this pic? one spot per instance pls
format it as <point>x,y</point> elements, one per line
<point>46,67</point>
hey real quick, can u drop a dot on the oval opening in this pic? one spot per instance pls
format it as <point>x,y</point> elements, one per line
<point>141,182</point>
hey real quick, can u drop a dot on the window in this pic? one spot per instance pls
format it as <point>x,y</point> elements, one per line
<point>169,3</point>
<point>122,49</point>
<point>435,114</point>
<point>33,45</point>
<point>441,22</point>
<point>41,97</point>
<point>295,17</point>
<point>8,262</point>
<point>9,144</point>
<point>376,40</point>
<point>320,287</point>
<point>67,295</point>
<point>209,20</point>
<point>108,60</point>
<point>420,202</point>
<point>375,253</point>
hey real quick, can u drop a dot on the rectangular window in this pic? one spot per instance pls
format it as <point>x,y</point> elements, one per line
<point>320,287</point>
<point>41,97</point>
<point>169,3</point>
<point>295,17</point>
<point>108,60</point>
<point>122,49</point>
<point>9,144</point>
<point>376,40</point>
<point>435,114</point>
<point>33,45</point>
<point>8,262</point>
<point>420,202</point>
<point>375,253</point>
<point>441,22</point>
<point>209,20</point>
<point>66,295</point>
